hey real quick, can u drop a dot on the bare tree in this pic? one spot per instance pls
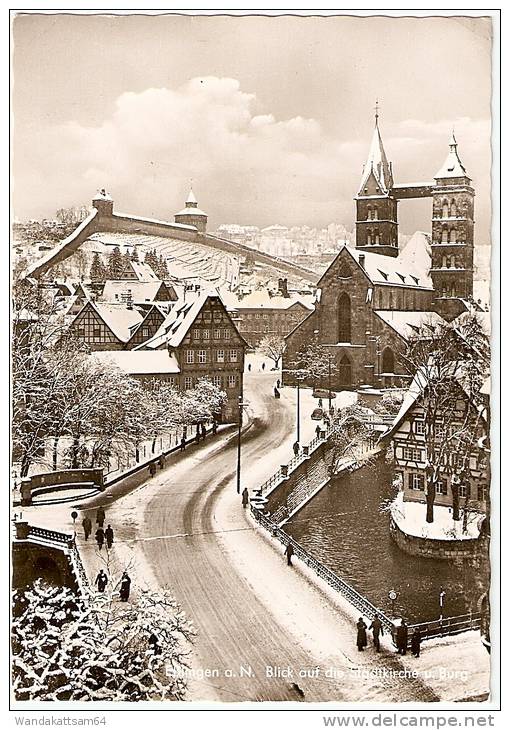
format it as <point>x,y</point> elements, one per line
<point>273,347</point>
<point>66,647</point>
<point>449,363</point>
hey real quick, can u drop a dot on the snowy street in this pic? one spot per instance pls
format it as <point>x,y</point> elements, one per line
<point>185,529</point>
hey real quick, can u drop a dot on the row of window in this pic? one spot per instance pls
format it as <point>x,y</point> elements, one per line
<point>218,334</point>
<point>204,356</point>
<point>417,482</point>
<point>208,317</point>
<point>229,381</point>
<point>265,315</point>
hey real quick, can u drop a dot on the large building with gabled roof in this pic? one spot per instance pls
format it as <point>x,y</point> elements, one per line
<point>373,297</point>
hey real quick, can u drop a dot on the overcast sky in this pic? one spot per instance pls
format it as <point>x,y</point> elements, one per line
<point>271,117</point>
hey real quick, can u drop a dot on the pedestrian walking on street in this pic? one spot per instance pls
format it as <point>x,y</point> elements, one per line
<point>377,628</point>
<point>100,516</point>
<point>319,405</point>
<point>101,581</point>
<point>263,366</point>
<point>361,637</point>
<point>152,469</point>
<point>214,427</point>
<point>278,383</point>
<point>416,643</point>
<point>161,461</point>
<point>204,431</point>
<point>87,526</point>
<point>125,586</point>
<point>249,367</point>
<point>100,537</point>
<point>108,533</point>
<point>197,436</point>
<point>402,635</point>
<point>317,430</point>
<point>183,444</point>
<point>276,393</point>
<point>295,447</point>
<point>245,497</point>
<point>289,552</point>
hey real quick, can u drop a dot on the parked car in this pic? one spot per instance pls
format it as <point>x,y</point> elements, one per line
<point>317,414</point>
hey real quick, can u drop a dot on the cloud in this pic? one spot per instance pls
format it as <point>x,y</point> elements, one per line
<point>247,165</point>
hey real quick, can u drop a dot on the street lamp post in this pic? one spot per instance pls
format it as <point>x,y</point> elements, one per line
<point>329,380</point>
<point>298,417</point>
<point>239,426</point>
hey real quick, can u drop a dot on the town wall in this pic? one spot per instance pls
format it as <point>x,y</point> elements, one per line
<point>437,549</point>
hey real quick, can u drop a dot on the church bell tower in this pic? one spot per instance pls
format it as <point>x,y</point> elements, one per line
<point>376,207</point>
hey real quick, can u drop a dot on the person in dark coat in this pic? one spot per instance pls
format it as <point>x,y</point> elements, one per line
<point>108,533</point>
<point>100,516</point>
<point>361,637</point>
<point>416,643</point>
<point>276,393</point>
<point>214,427</point>
<point>317,430</point>
<point>204,431</point>
<point>101,581</point>
<point>263,366</point>
<point>278,382</point>
<point>125,586</point>
<point>402,634</point>
<point>100,537</point>
<point>197,436</point>
<point>153,642</point>
<point>161,461</point>
<point>295,448</point>
<point>289,552</point>
<point>87,526</point>
<point>245,497</point>
<point>183,443</point>
<point>249,367</point>
<point>152,468</point>
<point>377,628</point>
<point>320,403</point>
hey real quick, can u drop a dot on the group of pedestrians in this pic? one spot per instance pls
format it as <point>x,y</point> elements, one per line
<point>125,584</point>
<point>401,636</point>
<point>102,535</point>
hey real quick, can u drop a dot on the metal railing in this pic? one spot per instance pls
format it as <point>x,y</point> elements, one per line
<point>355,599</point>
<point>277,478</point>
<point>61,539</point>
<point>448,625</point>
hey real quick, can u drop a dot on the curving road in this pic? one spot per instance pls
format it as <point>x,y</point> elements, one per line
<point>185,541</point>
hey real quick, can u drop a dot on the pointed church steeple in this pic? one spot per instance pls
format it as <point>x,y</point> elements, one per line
<point>452,166</point>
<point>376,205</point>
<point>377,162</point>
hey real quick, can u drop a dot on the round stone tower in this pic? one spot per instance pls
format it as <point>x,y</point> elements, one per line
<point>191,215</point>
<point>103,202</point>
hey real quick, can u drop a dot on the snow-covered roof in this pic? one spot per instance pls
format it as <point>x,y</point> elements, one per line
<point>102,195</point>
<point>260,299</point>
<point>452,166</point>
<point>141,291</point>
<point>191,197</point>
<point>407,324</point>
<point>118,317</point>
<point>401,271</point>
<point>140,362</point>
<point>191,210</point>
<point>377,162</point>
<point>416,257</point>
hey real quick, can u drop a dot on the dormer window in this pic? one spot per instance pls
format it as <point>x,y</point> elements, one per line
<point>383,274</point>
<point>415,279</point>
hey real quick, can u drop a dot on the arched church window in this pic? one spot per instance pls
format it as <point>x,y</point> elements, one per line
<point>376,237</point>
<point>344,318</point>
<point>345,371</point>
<point>388,360</point>
<point>369,237</point>
<point>444,235</point>
<point>453,208</point>
<point>445,209</point>
<point>369,213</point>
<point>453,235</point>
<point>376,215</point>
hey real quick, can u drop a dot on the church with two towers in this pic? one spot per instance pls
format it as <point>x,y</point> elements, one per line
<point>374,297</point>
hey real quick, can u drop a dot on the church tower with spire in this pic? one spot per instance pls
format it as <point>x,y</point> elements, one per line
<point>376,206</point>
<point>452,232</point>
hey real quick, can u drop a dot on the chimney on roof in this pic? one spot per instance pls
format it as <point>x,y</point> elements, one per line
<point>361,259</point>
<point>283,287</point>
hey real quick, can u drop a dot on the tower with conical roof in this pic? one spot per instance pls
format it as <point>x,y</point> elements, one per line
<point>191,215</point>
<point>376,206</point>
<point>452,230</point>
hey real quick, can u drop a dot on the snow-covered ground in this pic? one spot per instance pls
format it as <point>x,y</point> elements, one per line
<point>410,518</point>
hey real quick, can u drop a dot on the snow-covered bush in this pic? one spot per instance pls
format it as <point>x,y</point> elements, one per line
<point>67,647</point>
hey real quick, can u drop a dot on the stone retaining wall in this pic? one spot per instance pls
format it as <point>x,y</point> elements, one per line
<point>436,549</point>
